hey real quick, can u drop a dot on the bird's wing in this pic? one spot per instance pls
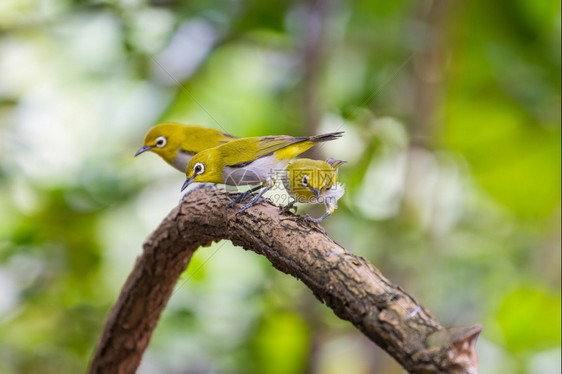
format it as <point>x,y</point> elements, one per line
<point>244,151</point>
<point>269,144</point>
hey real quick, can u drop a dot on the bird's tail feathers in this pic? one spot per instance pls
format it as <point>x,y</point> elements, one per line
<point>326,137</point>
<point>335,163</point>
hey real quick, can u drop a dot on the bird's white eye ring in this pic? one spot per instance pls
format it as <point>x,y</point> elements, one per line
<point>199,168</point>
<point>160,141</point>
<point>304,180</point>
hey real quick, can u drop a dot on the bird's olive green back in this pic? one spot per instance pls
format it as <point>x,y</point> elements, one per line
<point>250,149</point>
<point>197,138</point>
<point>285,147</point>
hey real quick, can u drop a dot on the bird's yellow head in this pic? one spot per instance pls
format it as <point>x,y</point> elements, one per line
<point>205,167</point>
<point>308,179</point>
<point>163,139</point>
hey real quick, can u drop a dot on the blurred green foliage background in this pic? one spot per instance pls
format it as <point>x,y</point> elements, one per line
<point>452,118</point>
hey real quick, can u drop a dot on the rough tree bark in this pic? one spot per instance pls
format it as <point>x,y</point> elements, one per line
<point>354,289</point>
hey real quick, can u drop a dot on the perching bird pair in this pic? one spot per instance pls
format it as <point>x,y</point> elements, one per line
<point>211,156</point>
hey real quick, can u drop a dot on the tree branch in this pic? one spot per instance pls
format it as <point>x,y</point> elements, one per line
<point>354,289</point>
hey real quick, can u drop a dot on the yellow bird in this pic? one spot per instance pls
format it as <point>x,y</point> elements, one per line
<point>314,182</point>
<point>177,144</point>
<point>250,161</point>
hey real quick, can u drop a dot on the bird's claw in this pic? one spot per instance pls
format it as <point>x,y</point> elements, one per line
<point>306,217</point>
<point>243,196</point>
<point>288,208</point>
<point>251,204</point>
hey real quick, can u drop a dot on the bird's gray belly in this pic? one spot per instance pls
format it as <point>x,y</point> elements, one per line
<point>261,170</point>
<point>242,176</point>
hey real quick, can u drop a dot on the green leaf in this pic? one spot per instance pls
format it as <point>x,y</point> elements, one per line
<point>281,344</point>
<point>530,319</point>
<point>515,160</point>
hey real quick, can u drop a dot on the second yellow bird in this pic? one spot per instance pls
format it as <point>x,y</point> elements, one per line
<point>250,161</point>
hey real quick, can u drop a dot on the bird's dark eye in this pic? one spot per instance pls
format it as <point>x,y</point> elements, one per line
<point>199,168</point>
<point>304,180</point>
<point>160,142</point>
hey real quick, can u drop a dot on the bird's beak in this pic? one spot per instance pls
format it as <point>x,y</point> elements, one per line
<point>187,183</point>
<point>143,149</point>
<point>315,191</point>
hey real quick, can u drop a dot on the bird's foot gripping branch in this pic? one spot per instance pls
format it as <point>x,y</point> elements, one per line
<point>352,287</point>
